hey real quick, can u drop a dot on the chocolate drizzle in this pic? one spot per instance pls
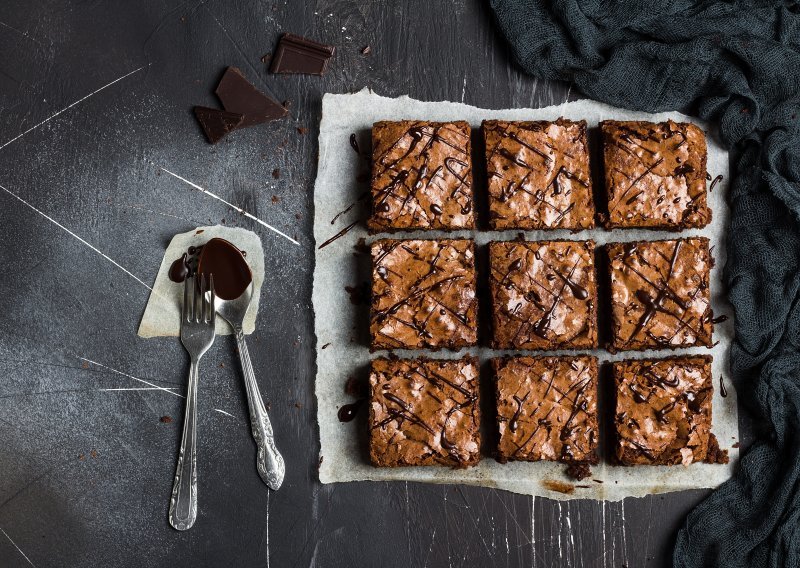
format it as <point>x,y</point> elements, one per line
<point>667,306</point>
<point>428,404</point>
<point>654,175</point>
<point>559,406</point>
<point>546,302</point>
<point>538,175</point>
<point>421,176</point>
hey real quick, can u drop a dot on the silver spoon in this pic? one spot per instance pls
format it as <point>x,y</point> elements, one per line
<point>269,462</point>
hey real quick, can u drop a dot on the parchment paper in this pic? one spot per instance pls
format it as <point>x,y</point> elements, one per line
<point>342,328</point>
<point>162,314</point>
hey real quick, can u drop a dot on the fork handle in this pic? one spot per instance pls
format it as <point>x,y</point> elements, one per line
<point>183,504</point>
<point>269,462</point>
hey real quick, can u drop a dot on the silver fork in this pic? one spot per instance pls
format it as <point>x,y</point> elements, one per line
<point>198,322</point>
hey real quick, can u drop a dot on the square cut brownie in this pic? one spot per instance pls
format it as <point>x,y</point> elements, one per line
<point>538,175</point>
<point>547,408</point>
<point>663,411</point>
<point>421,176</point>
<point>660,294</point>
<point>423,294</point>
<point>655,175</point>
<point>543,294</point>
<point>424,412</point>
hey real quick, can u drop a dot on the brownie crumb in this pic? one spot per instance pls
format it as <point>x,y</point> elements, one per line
<point>93,454</point>
<point>715,453</point>
<point>166,419</point>
<point>360,294</point>
<point>361,246</point>
<point>559,486</point>
<point>579,471</point>
<point>275,199</point>
<point>287,104</point>
<point>355,387</point>
<point>81,457</point>
<point>736,445</point>
<point>276,173</point>
<point>265,59</point>
<point>366,50</point>
<point>325,346</point>
<point>298,405</point>
<point>302,129</point>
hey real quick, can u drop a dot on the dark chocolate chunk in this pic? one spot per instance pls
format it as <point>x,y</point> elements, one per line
<point>239,96</point>
<point>297,54</point>
<point>216,123</point>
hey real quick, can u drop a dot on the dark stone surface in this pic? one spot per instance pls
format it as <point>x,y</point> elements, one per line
<point>85,474</point>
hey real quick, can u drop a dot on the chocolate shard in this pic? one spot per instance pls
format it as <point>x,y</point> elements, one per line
<point>217,123</point>
<point>297,54</point>
<point>239,96</point>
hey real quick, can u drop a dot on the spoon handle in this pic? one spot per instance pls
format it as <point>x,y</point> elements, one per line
<point>269,462</point>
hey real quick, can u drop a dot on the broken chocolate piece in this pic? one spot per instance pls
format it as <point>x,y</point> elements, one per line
<point>297,54</point>
<point>216,123</point>
<point>239,96</point>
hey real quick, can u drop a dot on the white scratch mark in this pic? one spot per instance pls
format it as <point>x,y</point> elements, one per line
<point>52,116</point>
<point>137,389</point>
<point>131,377</point>
<point>464,89</point>
<point>603,532</point>
<point>223,412</point>
<point>62,227</point>
<point>624,538</point>
<point>533,532</point>
<point>231,205</point>
<point>560,549</point>
<point>25,556</point>
<point>266,514</point>
<point>433,539</point>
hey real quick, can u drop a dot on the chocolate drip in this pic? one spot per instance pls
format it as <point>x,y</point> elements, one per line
<point>338,235</point>
<point>354,143</point>
<point>715,182</point>
<point>722,390</point>
<point>179,269</point>
<point>513,423</point>
<point>349,411</point>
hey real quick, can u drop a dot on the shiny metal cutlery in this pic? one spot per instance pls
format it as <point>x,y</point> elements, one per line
<point>269,461</point>
<point>197,334</point>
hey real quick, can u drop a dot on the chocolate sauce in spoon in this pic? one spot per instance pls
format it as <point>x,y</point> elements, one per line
<point>231,273</point>
<point>221,258</point>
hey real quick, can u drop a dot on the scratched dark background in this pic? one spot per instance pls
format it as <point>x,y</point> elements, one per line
<point>86,473</point>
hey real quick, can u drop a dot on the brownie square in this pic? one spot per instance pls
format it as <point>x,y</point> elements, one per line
<point>424,412</point>
<point>543,294</point>
<point>663,410</point>
<point>547,408</point>
<point>660,294</point>
<point>423,294</point>
<point>655,175</point>
<point>538,175</point>
<point>421,176</point>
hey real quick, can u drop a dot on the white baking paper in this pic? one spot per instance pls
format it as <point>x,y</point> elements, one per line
<point>162,314</point>
<point>342,328</point>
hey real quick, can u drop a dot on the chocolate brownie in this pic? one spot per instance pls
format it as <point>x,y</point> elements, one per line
<point>544,295</point>
<point>538,175</point>
<point>424,412</point>
<point>660,294</point>
<point>421,176</point>
<point>655,175</point>
<point>423,294</point>
<point>663,410</point>
<point>547,408</point>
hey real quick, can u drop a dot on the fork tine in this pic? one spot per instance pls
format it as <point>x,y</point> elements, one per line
<point>188,298</point>
<point>212,301</point>
<point>200,301</point>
